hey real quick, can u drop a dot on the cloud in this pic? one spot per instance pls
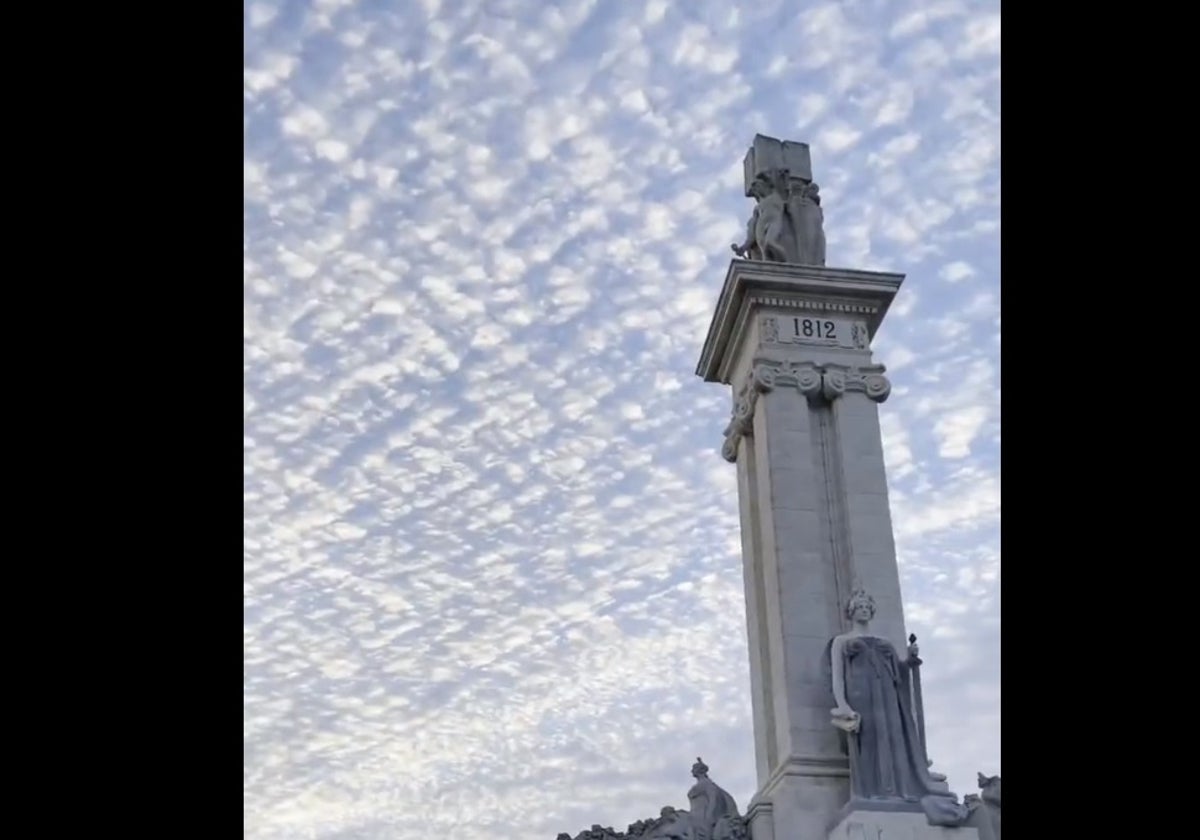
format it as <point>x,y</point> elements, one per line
<point>492,554</point>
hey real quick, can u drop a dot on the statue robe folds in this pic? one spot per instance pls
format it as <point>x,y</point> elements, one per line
<point>887,759</point>
<point>710,805</point>
<point>807,226</point>
<point>788,224</point>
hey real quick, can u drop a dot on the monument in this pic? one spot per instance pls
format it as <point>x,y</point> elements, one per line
<point>712,815</point>
<point>839,726</point>
<point>787,224</point>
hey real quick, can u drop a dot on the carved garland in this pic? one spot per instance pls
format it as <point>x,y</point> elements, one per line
<point>818,383</point>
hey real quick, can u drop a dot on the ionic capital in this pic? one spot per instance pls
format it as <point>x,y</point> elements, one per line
<point>817,383</point>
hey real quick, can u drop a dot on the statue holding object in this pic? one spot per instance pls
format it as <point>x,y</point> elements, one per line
<point>713,815</point>
<point>873,689</point>
<point>787,224</point>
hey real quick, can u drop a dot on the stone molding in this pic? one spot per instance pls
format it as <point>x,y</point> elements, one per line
<point>753,285</point>
<point>809,765</point>
<point>818,383</point>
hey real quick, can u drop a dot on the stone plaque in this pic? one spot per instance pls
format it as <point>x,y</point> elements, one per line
<point>820,330</point>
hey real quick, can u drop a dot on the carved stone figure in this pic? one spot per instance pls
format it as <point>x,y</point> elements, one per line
<point>672,825</point>
<point>709,803</point>
<point>598,832</point>
<point>788,224</point>
<point>808,222</point>
<point>767,231</point>
<point>985,808</point>
<point>731,827</point>
<point>714,816</point>
<point>872,689</point>
<point>990,785</point>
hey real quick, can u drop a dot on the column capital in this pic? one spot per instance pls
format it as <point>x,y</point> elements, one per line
<point>817,383</point>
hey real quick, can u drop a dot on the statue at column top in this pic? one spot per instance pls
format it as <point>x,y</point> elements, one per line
<point>787,224</point>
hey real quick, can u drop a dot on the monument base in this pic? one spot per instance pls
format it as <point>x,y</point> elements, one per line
<point>895,825</point>
<point>800,799</point>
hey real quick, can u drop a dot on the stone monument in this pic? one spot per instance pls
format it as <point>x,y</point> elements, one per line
<point>787,224</point>
<point>985,808</point>
<point>838,725</point>
<point>712,815</point>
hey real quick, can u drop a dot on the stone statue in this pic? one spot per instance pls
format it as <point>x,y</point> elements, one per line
<point>671,825</point>
<point>872,690</point>
<point>985,808</point>
<point>787,224</point>
<point>766,232</point>
<point>732,827</point>
<point>808,221</point>
<point>714,816</point>
<point>710,804</point>
<point>597,832</point>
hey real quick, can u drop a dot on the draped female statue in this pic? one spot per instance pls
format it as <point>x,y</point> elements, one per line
<point>709,803</point>
<point>872,689</point>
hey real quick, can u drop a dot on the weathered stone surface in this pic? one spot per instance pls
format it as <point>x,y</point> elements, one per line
<point>787,224</point>
<point>985,808</point>
<point>887,825</point>
<point>713,816</point>
<point>873,689</point>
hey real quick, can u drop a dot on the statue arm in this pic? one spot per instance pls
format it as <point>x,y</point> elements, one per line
<point>750,228</point>
<point>838,664</point>
<point>743,249</point>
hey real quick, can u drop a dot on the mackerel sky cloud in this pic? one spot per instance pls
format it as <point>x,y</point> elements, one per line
<point>493,579</point>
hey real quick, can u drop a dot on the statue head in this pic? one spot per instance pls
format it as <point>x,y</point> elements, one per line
<point>990,786</point>
<point>699,768</point>
<point>861,606</point>
<point>760,188</point>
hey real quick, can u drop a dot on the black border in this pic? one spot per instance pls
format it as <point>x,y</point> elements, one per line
<point>1082,407</point>
<point>130,410</point>
<point>135,295</point>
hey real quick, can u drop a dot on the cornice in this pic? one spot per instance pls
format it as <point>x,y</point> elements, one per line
<point>754,284</point>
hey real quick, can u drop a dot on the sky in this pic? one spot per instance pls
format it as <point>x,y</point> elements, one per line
<point>493,581</point>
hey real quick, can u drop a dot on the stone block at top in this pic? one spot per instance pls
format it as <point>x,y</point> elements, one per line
<point>787,224</point>
<point>768,155</point>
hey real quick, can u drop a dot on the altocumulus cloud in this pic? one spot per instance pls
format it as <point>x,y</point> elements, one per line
<point>492,562</point>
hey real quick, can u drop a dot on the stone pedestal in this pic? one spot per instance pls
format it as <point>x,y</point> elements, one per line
<point>793,342</point>
<point>878,825</point>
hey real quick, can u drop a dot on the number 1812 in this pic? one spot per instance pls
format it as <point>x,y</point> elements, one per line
<point>813,328</point>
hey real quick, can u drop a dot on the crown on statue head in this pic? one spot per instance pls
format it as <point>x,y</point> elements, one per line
<point>857,597</point>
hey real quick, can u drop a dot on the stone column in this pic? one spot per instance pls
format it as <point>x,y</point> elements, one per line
<point>794,343</point>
